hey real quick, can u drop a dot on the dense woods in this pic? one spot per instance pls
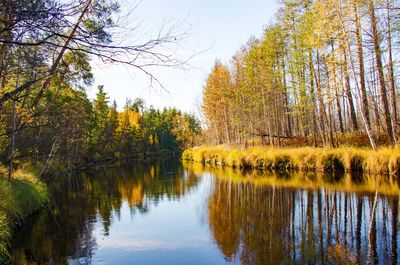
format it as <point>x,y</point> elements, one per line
<point>323,70</point>
<point>46,49</point>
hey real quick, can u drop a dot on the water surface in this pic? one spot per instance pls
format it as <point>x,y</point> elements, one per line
<point>165,213</point>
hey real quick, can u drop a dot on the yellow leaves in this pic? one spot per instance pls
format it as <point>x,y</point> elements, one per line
<point>216,93</point>
<point>321,24</point>
<point>153,139</point>
<point>25,115</point>
<point>127,120</point>
<point>218,81</point>
<point>5,90</point>
<point>325,22</point>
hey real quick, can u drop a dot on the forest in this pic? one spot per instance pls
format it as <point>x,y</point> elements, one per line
<point>324,74</point>
<point>46,50</point>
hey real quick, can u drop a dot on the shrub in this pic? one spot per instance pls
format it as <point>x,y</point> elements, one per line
<point>283,162</point>
<point>333,163</point>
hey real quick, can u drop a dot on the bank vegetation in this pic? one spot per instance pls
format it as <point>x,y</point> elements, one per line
<point>20,197</point>
<point>384,161</point>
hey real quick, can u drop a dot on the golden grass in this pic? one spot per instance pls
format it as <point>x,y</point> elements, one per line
<point>349,159</point>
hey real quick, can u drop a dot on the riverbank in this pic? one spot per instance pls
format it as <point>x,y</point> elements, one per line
<point>383,161</point>
<point>20,197</point>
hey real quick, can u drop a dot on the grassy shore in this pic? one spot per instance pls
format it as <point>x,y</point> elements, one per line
<point>20,197</point>
<point>383,161</point>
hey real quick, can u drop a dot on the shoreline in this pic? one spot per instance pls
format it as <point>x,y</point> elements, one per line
<point>307,159</point>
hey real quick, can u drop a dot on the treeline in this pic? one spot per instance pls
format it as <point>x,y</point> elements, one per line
<point>322,69</point>
<point>74,129</point>
<point>136,129</point>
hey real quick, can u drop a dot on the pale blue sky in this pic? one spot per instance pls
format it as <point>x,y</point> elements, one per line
<point>220,25</point>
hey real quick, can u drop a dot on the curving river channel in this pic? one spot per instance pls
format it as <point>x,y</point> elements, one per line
<point>163,212</point>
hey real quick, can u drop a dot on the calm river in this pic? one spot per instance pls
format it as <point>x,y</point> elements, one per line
<point>169,213</point>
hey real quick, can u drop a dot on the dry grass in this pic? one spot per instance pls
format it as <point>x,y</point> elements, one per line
<point>348,159</point>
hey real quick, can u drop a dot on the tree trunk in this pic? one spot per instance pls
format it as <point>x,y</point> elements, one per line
<point>5,47</point>
<point>313,103</point>
<point>364,97</point>
<point>12,147</point>
<point>368,130</point>
<point>14,123</point>
<point>349,95</point>
<point>391,75</point>
<point>330,116</point>
<point>382,85</point>
<point>339,109</point>
<point>322,112</point>
<point>287,109</point>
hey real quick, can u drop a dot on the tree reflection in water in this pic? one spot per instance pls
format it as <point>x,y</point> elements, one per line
<point>269,218</point>
<point>258,218</point>
<point>64,232</point>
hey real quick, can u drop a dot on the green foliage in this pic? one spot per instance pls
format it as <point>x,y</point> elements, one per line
<point>20,197</point>
<point>46,49</point>
<point>332,163</point>
<point>169,129</point>
<point>75,67</point>
<point>4,235</point>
